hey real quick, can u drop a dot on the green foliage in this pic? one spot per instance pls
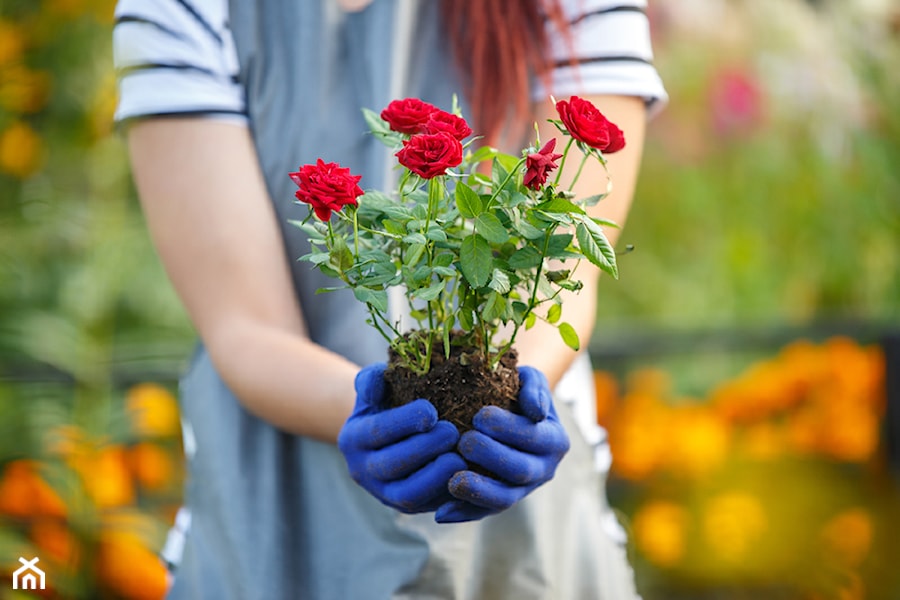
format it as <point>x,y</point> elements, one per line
<point>471,253</point>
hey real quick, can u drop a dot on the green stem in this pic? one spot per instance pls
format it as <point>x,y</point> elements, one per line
<point>562,163</point>
<point>503,184</point>
<point>578,172</point>
<point>532,302</point>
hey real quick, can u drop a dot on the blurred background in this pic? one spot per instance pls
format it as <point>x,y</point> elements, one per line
<point>747,358</point>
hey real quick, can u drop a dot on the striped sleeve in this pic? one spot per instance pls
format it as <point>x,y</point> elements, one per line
<point>607,51</point>
<point>176,57</point>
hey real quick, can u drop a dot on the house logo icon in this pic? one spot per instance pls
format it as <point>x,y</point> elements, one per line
<point>28,576</point>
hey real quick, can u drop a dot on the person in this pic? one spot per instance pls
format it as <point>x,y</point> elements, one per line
<point>219,102</point>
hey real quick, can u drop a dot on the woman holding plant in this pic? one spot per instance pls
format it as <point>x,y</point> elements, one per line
<point>222,103</point>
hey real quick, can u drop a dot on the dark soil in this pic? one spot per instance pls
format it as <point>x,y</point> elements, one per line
<point>458,386</point>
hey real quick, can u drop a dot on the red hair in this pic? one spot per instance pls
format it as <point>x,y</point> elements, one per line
<point>499,46</point>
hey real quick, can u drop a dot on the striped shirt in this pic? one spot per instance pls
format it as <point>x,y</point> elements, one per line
<point>178,57</point>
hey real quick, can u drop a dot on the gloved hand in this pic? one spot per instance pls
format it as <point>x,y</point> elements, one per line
<point>403,456</point>
<point>522,450</point>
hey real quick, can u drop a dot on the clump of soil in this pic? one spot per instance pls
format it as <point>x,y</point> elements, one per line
<point>458,386</point>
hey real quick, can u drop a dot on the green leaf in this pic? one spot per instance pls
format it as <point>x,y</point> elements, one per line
<point>554,313</point>
<point>414,253</point>
<point>316,258</point>
<point>444,271</point>
<point>375,122</point>
<point>490,228</point>
<point>398,212</point>
<point>558,244</point>
<point>341,257</point>
<point>499,282</point>
<point>393,227</point>
<point>466,319</point>
<point>495,307</point>
<point>530,320</point>
<point>526,229</point>
<point>519,309</point>
<point>467,201</point>
<point>593,200</point>
<point>377,298</point>
<point>560,205</point>
<point>444,259</point>
<point>558,275</point>
<point>431,292</point>
<point>380,129</point>
<point>568,335</point>
<point>483,153</point>
<point>415,238</point>
<point>525,258</point>
<point>475,260</point>
<point>436,234</point>
<point>596,248</point>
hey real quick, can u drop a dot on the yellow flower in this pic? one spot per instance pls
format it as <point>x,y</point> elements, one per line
<point>153,410</point>
<point>24,90</point>
<point>21,150</point>
<point>733,523</point>
<point>106,478</point>
<point>660,532</point>
<point>12,42</point>
<point>638,436</point>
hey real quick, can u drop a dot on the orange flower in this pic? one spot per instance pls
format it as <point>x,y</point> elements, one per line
<point>23,493</point>
<point>54,539</point>
<point>607,395</point>
<point>128,568</point>
<point>660,532</point>
<point>153,409</point>
<point>847,537</point>
<point>698,440</point>
<point>151,466</point>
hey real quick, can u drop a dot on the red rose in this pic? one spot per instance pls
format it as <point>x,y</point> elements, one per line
<point>326,187</point>
<point>539,164</point>
<point>443,121</point>
<point>430,154</point>
<point>408,115</point>
<point>587,124</point>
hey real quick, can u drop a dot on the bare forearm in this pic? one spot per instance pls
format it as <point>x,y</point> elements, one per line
<point>285,378</point>
<point>542,346</point>
<point>216,232</point>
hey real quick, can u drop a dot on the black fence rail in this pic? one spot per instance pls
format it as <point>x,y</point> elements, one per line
<point>616,352</point>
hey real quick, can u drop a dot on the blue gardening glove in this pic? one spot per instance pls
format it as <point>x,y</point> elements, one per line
<point>522,450</point>
<point>403,456</point>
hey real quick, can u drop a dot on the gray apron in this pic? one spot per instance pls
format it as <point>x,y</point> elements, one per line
<point>276,516</point>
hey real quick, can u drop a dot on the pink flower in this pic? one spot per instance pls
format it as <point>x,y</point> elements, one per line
<point>326,187</point>
<point>539,164</point>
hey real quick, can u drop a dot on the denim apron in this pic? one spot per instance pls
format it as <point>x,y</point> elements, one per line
<point>276,516</point>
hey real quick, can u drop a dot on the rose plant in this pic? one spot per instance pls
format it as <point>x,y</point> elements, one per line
<point>482,242</point>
